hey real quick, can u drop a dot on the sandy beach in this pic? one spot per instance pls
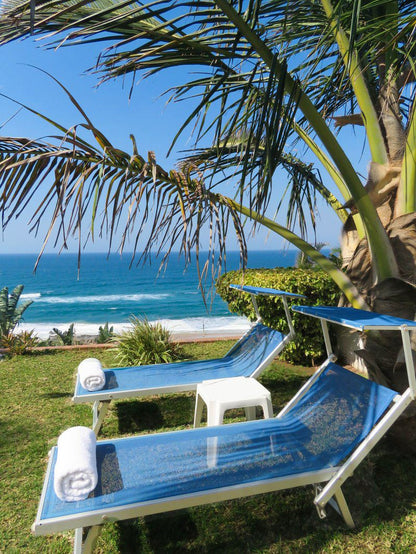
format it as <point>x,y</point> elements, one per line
<point>195,329</point>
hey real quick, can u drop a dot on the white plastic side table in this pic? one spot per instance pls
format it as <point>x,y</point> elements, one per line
<point>235,392</point>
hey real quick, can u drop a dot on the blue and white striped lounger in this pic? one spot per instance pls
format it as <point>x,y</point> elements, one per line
<point>248,358</point>
<point>319,439</point>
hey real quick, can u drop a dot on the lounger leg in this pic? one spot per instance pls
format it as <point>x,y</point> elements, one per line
<point>86,546</point>
<point>250,412</point>
<point>78,541</point>
<point>339,504</point>
<point>99,409</point>
<point>343,508</point>
<point>199,406</point>
<point>215,414</point>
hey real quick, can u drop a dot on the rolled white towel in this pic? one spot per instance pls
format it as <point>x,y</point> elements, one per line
<point>91,374</point>
<point>76,464</point>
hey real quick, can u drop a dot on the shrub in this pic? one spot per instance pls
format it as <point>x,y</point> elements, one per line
<point>19,343</point>
<point>308,346</point>
<point>105,334</point>
<point>67,337</point>
<point>145,343</point>
<point>10,313</point>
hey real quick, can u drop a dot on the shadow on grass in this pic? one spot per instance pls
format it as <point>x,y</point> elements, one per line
<point>178,410</point>
<point>380,496</point>
<point>282,390</point>
<point>150,415</point>
<point>12,432</point>
<point>54,395</point>
<point>284,521</point>
<point>48,352</point>
<point>144,534</point>
<point>258,524</point>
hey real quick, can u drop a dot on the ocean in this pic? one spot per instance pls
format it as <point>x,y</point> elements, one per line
<point>109,290</point>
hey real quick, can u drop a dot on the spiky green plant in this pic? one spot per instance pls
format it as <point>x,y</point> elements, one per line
<point>19,343</point>
<point>10,313</point>
<point>145,343</point>
<point>105,333</point>
<point>66,337</point>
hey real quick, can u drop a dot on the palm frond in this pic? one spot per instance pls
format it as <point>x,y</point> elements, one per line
<point>125,191</point>
<point>301,187</point>
<point>114,191</point>
<point>236,42</point>
<point>160,34</point>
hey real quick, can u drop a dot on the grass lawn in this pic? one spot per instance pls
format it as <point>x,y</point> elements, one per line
<point>35,407</point>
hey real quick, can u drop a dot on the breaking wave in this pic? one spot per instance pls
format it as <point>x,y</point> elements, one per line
<point>93,299</point>
<point>218,327</point>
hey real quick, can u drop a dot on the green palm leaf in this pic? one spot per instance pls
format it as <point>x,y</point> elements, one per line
<point>10,313</point>
<point>241,47</point>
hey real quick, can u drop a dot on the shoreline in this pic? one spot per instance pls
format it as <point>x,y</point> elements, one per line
<point>87,342</point>
<point>185,330</point>
<point>90,345</point>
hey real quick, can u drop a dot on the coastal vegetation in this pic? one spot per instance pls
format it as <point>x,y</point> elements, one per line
<point>11,312</point>
<point>307,346</point>
<point>36,407</point>
<point>65,337</point>
<point>271,75</point>
<point>19,343</point>
<point>145,343</point>
<point>105,333</point>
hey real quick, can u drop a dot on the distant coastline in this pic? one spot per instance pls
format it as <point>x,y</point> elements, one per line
<point>109,290</point>
<point>181,330</point>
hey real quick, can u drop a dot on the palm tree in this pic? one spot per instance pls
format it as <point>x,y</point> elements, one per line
<point>270,73</point>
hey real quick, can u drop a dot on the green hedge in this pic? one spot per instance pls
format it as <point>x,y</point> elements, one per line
<point>308,346</point>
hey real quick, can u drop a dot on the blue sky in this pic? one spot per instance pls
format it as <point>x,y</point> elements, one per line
<point>146,115</point>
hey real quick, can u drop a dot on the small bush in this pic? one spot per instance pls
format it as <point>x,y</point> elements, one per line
<point>19,343</point>
<point>66,337</point>
<point>145,343</point>
<point>105,334</point>
<point>308,346</point>
<point>10,313</point>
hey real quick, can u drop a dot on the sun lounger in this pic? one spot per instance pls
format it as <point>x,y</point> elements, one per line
<point>248,357</point>
<point>318,439</point>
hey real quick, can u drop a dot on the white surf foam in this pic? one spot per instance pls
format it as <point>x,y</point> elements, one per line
<point>30,296</point>
<point>99,298</point>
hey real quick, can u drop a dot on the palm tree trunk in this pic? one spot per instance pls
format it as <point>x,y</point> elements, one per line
<point>382,353</point>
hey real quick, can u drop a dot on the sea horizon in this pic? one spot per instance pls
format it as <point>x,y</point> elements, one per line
<point>110,290</point>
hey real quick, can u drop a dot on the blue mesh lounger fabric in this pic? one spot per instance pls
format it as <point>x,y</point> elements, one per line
<point>242,360</point>
<point>356,319</point>
<point>331,419</point>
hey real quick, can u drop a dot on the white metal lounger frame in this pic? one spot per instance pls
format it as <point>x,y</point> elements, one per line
<point>101,403</point>
<point>94,520</point>
<point>258,291</point>
<point>327,482</point>
<point>401,401</point>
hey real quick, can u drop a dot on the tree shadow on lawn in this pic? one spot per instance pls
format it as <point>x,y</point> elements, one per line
<point>176,410</point>
<point>47,352</point>
<point>380,494</point>
<point>135,416</point>
<point>14,432</point>
<point>55,395</point>
<point>257,524</point>
<point>285,521</point>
